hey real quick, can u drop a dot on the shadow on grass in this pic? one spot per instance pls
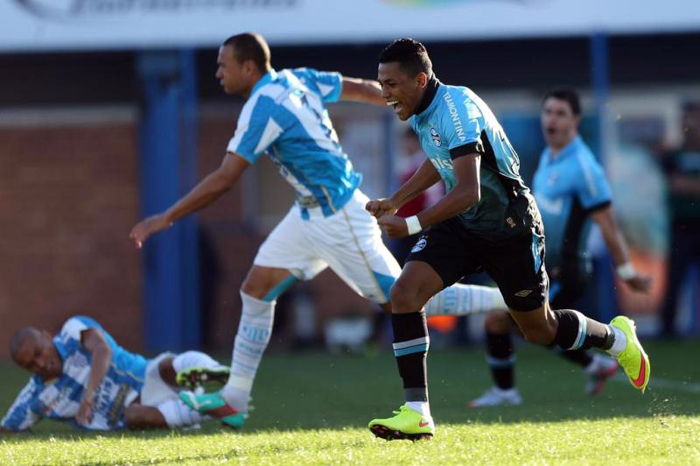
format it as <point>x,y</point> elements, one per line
<point>312,391</point>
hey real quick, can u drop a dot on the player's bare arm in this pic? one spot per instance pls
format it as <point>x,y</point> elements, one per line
<point>605,218</point>
<point>466,193</point>
<point>425,177</point>
<point>206,192</point>
<point>362,90</point>
<point>101,358</point>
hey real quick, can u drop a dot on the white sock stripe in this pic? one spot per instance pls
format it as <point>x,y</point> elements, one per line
<point>414,342</point>
<point>578,342</point>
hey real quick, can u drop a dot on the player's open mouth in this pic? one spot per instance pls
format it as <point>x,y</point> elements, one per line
<point>396,104</point>
<point>551,131</point>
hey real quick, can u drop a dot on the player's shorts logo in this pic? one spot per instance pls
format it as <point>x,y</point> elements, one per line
<point>436,137</point>
<point>420,244</point>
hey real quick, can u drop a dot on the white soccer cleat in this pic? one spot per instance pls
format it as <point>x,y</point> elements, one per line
<point>495,396</point>
<point>600,370</point>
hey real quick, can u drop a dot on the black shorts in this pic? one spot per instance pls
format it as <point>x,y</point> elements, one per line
<point>568,284</point>
<point>516,264</point>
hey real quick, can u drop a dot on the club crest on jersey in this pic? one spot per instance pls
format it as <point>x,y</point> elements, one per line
<point>420,244</point>
<point>436,137</point>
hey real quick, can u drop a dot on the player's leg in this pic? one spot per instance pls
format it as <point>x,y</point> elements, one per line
<point>442,260</point>
<point>501,360</point>
<point>286,256</point>
<point>170,413</point>
<point>518,268</point>
<point>564,294</point>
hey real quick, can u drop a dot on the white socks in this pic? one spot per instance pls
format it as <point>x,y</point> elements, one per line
<point>422,407</point>
<point>190,359</point>
<point>178,414</point>
<point>252,338</point>
<point>461,300</point>
<point>619,343</point>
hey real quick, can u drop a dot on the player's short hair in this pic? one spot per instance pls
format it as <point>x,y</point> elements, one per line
<point>251,46</point>
<point>568,95</point>
<point>18,339</point>
<point>410,54</point>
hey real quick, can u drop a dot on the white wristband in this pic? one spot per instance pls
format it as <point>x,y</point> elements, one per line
<point>413,225</point>
<point>626,271</point>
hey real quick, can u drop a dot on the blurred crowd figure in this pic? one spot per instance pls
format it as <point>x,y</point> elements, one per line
<point>682,169</point>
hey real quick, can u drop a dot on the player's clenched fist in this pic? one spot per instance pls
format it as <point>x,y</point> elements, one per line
<point>147,227</point>
<point>393,226</point>
<point>379,207</point>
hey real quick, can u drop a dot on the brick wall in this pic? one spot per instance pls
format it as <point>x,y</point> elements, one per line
<point>68,196</point>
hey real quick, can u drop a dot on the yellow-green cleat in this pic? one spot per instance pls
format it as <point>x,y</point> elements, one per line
<point>633,359</point>
<point>407,424</point>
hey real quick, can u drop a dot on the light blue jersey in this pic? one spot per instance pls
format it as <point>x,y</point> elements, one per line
<point>60,398</point>
<point>567,188</point>
<point>456,123</point>
<point>286,118</point>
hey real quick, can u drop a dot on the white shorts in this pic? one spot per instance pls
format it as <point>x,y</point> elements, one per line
<point>349,242</point>
<point>155,390</point>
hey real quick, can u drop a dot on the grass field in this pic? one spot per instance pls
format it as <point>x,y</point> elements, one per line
<point>313,408</point>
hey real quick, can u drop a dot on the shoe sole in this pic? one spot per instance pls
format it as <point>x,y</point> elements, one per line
<point>198,377</point>
<point>385,433</point>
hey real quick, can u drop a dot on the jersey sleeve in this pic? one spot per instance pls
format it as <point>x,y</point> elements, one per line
<point>257,130</point>
<point>462,123</point>
<point>329,84</point>
<point>592,188</point>
<point>23,412</point>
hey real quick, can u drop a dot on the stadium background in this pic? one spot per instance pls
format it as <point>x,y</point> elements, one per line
<point>109,111</point>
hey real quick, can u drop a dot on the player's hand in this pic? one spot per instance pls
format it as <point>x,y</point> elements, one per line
<point>148,227</point>
<point>641,283</point>
<point>393,226</point>
<point>84,416</point>
<point>379,207</point>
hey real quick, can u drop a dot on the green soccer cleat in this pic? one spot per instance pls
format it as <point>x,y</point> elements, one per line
<point>406,425</point>
<point>633,359</point>
<point>203,376</point>
<point>212,404</point>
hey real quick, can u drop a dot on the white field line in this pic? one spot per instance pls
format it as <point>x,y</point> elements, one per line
<point>656,382</point>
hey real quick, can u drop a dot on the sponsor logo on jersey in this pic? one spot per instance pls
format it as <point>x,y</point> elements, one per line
<point>454,116</point>
<point>436,137</point>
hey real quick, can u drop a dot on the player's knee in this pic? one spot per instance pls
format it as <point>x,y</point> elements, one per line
<point>405,298</point>
<point>497,322</point>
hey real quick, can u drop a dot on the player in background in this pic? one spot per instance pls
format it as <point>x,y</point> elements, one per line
<point>83,377</point>
<point>285,117</point>
<point>488,219</point>
<point>571,191</point>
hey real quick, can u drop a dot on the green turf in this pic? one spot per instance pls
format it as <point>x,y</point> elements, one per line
<point>312,408</point>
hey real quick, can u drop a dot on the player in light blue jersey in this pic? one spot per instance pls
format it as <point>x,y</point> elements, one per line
<point>285,117</point>
<point>488,220</point>
<point>83,377</point>
<point>572,192</point>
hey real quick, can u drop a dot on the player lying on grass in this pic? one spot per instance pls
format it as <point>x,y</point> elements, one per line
<point>82,376</point>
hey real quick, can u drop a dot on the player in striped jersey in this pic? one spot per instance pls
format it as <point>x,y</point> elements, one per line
<point>285,117</point>
<point>84,377</point>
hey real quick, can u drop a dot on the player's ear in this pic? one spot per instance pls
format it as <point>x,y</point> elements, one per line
<point>421,79</point>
